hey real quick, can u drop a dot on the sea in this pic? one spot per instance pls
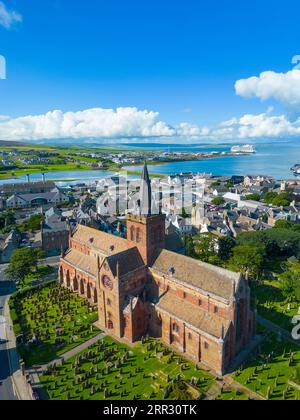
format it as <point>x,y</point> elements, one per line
<point>271,158</point>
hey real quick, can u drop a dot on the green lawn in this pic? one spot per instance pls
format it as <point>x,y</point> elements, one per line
<point>113,371</point>
<point>270,369</point>
<point>52,321</point>
<point>232,395</point>
<point>41,273</point>
<point>273,306</point>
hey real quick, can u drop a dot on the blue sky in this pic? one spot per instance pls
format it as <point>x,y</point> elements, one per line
<point>178,58</point>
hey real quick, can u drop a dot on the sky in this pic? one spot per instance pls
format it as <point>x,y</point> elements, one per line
<point>180,70</point>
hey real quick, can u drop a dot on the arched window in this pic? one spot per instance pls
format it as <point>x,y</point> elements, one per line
<point>95,296</point>
<point>175,328</point>
<point>81,287</point>
<point>138,235</point>
<point>110,325</point>
<point>89,293</point>
<point>132,233</point>
<point>75,284</point>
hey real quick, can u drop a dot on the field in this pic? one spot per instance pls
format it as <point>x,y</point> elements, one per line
<point>50,321</point>
<point>110,370</point>
<point>270,369</point>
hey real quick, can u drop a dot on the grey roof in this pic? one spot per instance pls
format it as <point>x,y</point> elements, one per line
<point>128,261</point>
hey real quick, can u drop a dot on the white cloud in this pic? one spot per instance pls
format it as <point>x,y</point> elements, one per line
<point>133,124</point>
<point>283,87</point>
<point>8,17</point>
<point>91,123</point>
<point>192,130</point>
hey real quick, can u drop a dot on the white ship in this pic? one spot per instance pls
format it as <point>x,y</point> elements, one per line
<point>247,148</point>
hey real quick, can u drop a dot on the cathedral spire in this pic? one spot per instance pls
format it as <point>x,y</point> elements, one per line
<point>146,193</point>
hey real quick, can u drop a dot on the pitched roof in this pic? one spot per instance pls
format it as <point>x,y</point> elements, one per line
<point>193,315</point>
<point>206,277</point>
<point>129,261</point>
<point>100,241</point>
<point>82,262</point>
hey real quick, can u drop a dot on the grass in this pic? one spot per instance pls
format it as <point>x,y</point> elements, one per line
<point>273,306</point>
<point>41,273</point>
<point>232,395</point>
<point>110,370</point>
<point>270,369</point>
<point>51,321</point>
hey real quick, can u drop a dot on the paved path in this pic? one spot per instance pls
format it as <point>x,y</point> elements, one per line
<point>13,385</point>
<point>35,372</point>
<point>7,391</point>
<point>74,351</point>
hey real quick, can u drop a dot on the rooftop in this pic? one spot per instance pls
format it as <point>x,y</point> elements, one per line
<point>206,277</point>
<point>193,315</point>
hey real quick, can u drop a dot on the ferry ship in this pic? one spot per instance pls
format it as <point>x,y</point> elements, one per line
<point>296,169</point>
<point>248,148</point>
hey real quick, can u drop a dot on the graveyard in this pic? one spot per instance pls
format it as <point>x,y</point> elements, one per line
<point>273,305</point>
<point>49,320</point>
<point>273,371</point>
<point>110,370</point>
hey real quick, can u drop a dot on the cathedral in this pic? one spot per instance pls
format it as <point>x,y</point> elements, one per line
<point>140,288</point>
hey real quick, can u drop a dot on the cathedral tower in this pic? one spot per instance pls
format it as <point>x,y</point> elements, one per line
<point>146,231</point>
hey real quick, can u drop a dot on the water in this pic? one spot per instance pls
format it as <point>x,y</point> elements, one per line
<point>273,159</point>
<point>63,178</point>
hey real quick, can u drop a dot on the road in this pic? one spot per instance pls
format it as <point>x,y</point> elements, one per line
<point>6,385</point>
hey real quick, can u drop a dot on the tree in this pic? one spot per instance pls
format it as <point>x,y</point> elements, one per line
<point>277,242</point>
<point>269,197</point>
<point>22,262</point>
<point>248,259</point>
<point>254,197</point>
<point>226,244</point>
<point>190,248</point>
<point>282,200</point>
<point>218,201</point>
<point>290,281</point>
<point>205,247</point>
<point>283,224</point>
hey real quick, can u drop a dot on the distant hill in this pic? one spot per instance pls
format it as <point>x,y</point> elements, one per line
<point>6,143</point>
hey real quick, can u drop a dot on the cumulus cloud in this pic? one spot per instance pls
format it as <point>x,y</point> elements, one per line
<point>134,124</point>
<point>192,130</point>
<point>283,87</point>
<point>259,126</point>
<point>91,123</point>
<point>8,17</point>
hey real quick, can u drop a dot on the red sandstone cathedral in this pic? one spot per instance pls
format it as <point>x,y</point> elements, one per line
<point>141,288</point>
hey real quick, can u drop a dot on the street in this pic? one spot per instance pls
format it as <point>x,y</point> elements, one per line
<point>6,385</point>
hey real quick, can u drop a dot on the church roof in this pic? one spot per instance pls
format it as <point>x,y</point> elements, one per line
<point>129,261</point>
<point>193,316</point>
<point>206,277</point>
<point>100,241</point>
<point>82,262</point>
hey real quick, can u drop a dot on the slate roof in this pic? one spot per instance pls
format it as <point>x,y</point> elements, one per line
<point>206,277</point>
<point>82,262</point>
<point>193,315</point>
<point>100,241</point>
<point>128,261</point>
